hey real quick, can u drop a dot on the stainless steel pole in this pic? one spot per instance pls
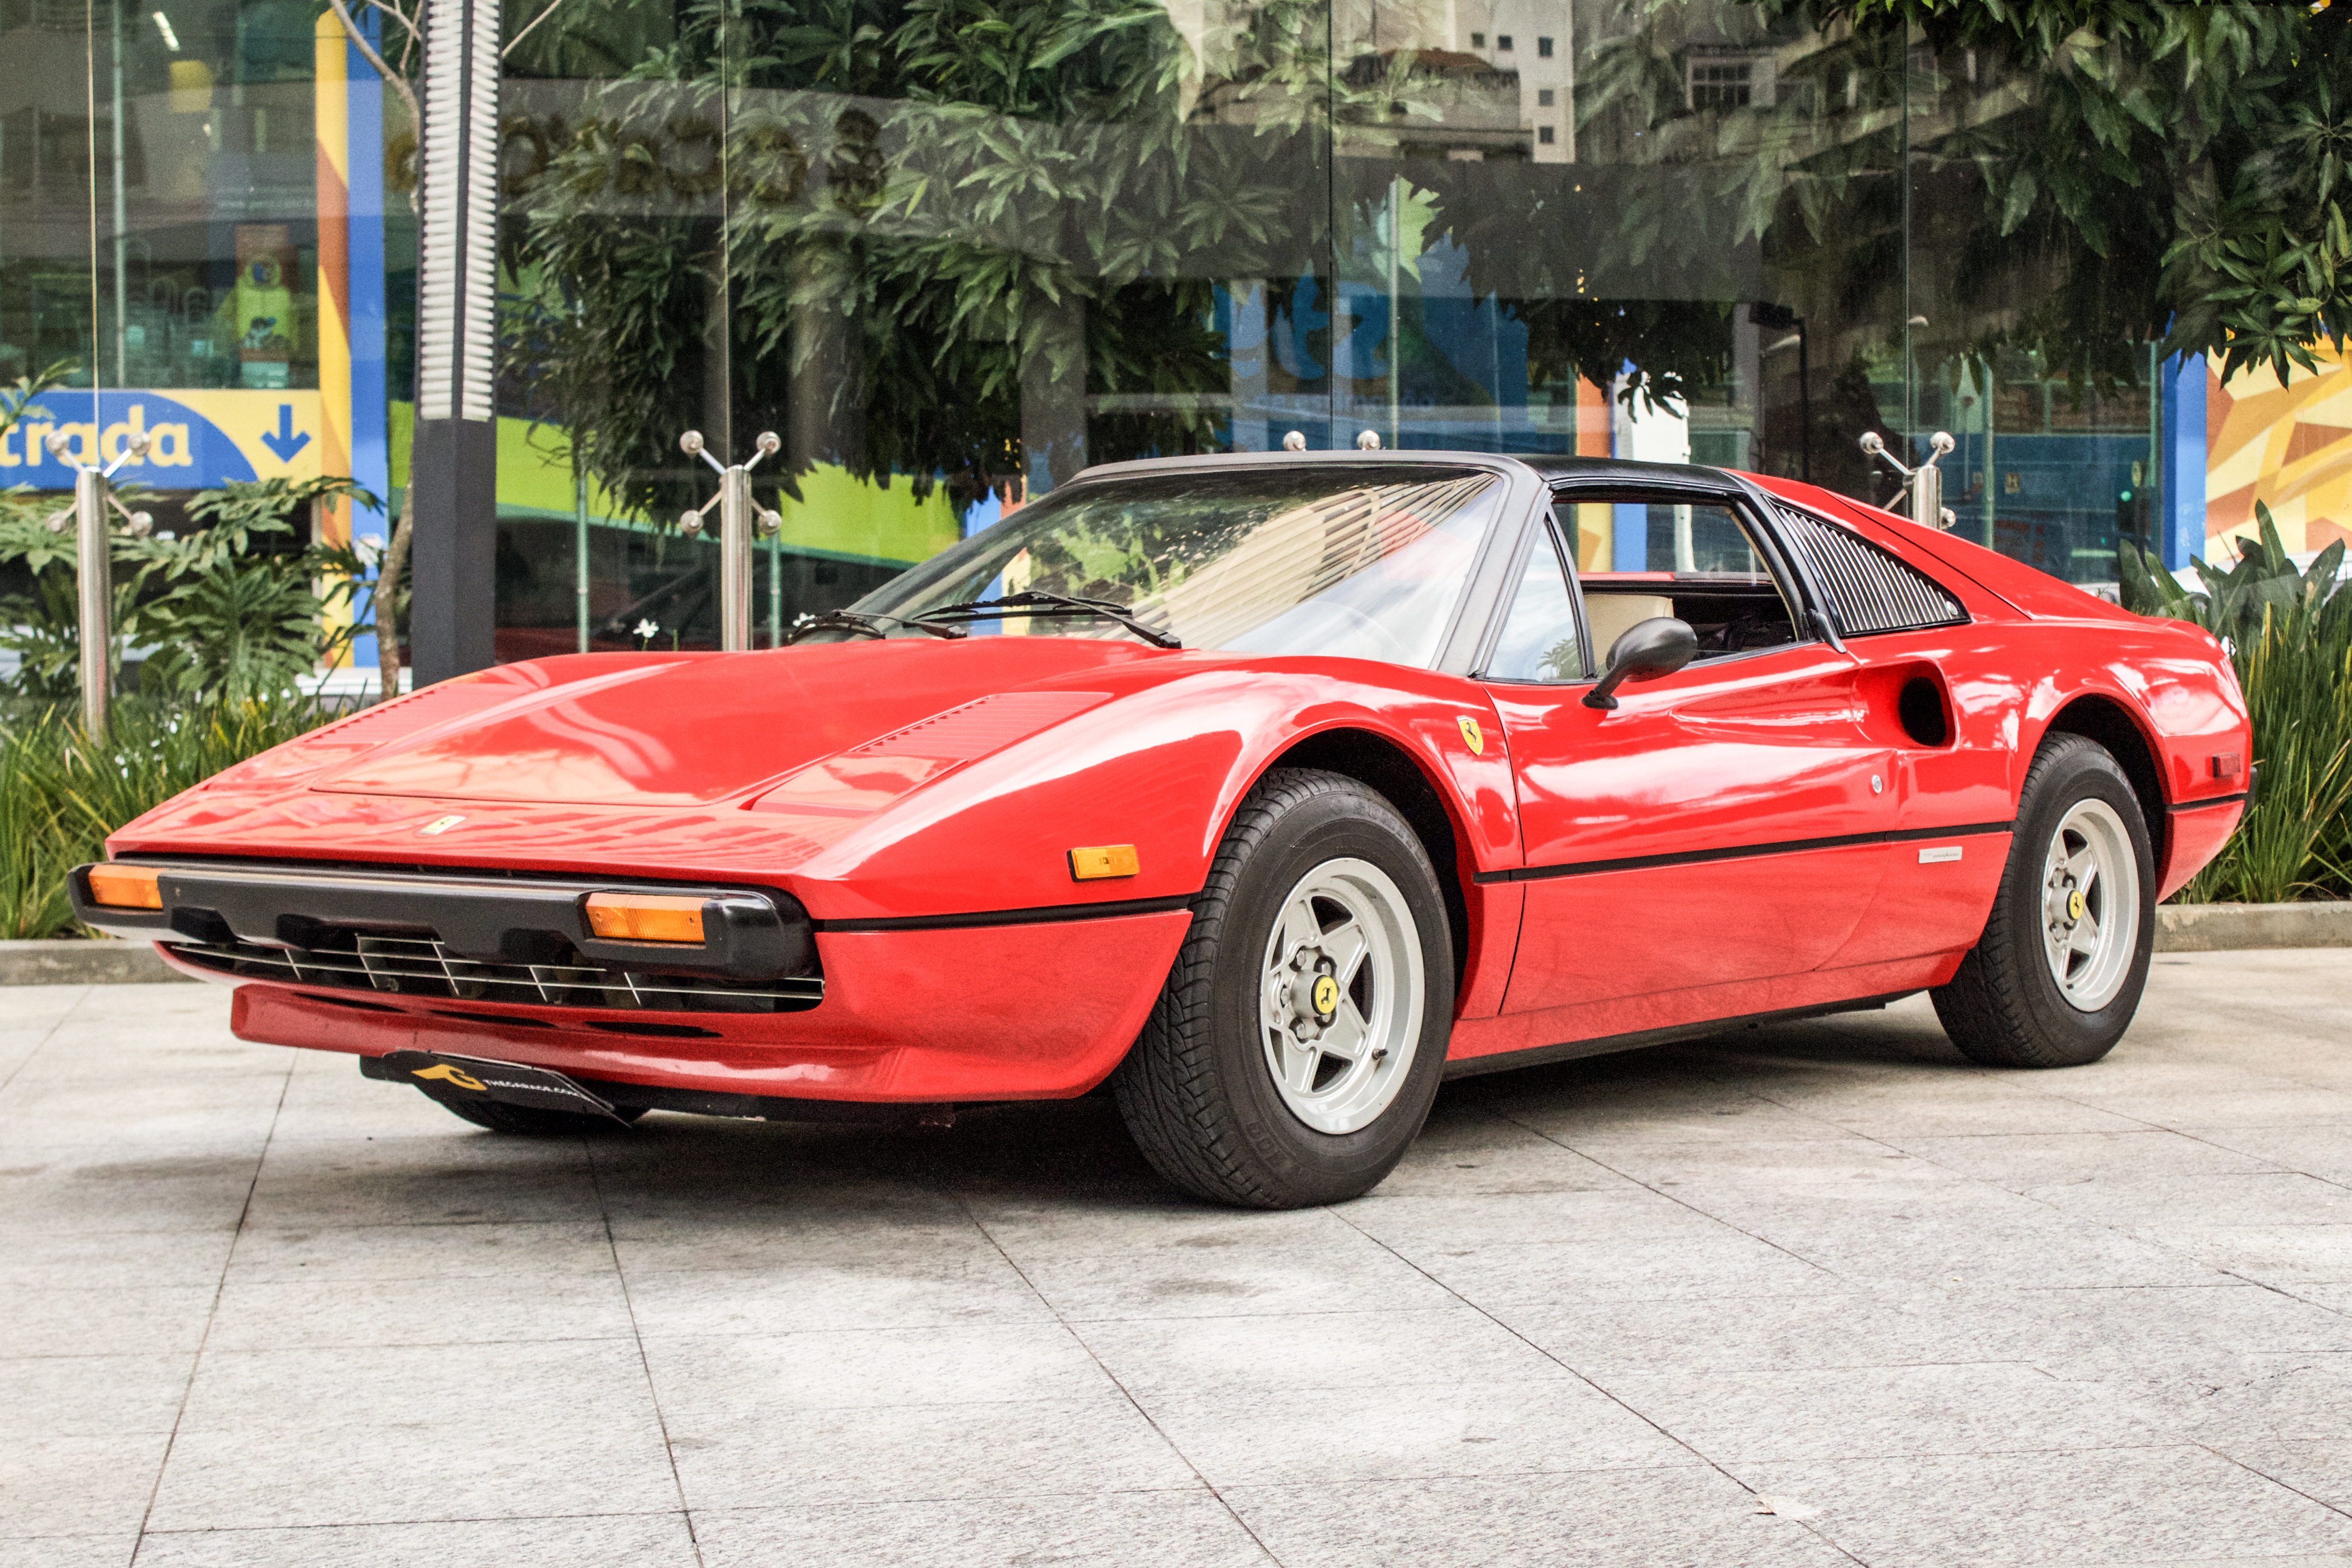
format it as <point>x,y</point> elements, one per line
<point>1987,518</point>
<point>580,553</point>
<point>1928,494</point>
<point>95,594</point>
<point>738,519</point>
<point>735,521</point>
<point>1396,314</point>
<point>122,225</point>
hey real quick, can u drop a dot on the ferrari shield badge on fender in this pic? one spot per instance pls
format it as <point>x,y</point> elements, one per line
<point>439,825</point>
<point>1473,737</point>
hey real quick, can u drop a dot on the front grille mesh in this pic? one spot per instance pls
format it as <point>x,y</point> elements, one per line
<point>420,967</point>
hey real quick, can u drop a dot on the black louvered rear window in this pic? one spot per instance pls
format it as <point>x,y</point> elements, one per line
<point>1869,589</point>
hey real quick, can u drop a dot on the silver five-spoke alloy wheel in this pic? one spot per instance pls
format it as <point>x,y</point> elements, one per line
<point>1339,996</point>
<point>2090,904</point>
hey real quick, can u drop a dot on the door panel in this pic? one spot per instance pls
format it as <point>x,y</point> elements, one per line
<point>1674,841</point>
<point>1939,886</point>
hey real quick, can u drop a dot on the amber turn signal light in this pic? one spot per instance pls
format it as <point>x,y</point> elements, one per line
<point>1102,861</point>
<point>125,887</point>
<point>644,917</point>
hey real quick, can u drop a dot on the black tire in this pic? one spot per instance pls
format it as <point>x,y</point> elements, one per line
<point>1198,1091</point>
<point>532,1122</point>
<point>2005,1007</point>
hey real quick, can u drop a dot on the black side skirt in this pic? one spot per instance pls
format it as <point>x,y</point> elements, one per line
<point>1537,1056</point>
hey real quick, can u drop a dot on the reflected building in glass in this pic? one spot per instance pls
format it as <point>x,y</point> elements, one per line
<point>951,264</point>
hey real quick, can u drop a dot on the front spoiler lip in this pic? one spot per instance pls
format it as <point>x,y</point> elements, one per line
<point>749,933</point>
<point>694,1101</point>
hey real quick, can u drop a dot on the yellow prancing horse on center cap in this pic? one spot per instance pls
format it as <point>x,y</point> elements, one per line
<point>1326,994</point>
<point>1473,737</point>
<point>2075,904</point>
<point>449,1074</point>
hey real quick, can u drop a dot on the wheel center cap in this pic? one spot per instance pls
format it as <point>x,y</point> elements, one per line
<point>2074,905</point>
<point>1327,996</point>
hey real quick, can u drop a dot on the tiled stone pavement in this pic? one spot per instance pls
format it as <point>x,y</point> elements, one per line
<point>1813,1294</point>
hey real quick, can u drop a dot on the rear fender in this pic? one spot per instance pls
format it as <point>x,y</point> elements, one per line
<point>2174,723</point>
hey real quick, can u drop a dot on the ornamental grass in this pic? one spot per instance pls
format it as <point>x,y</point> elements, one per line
<point>61,791</point>
<point>2289,636</point>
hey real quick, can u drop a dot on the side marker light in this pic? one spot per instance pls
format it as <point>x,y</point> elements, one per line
<point>644,917</point>
<point>125,887</point>
<point>2224,764</point>
<point>1103,860</point>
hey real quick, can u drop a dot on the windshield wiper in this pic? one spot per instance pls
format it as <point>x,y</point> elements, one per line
<point>1039,602</point>
<point>868,621</point>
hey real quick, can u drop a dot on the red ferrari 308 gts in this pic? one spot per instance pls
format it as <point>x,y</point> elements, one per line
<point>1272,790</point>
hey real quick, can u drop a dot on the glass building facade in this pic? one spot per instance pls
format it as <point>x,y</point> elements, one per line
<point>951,251</point>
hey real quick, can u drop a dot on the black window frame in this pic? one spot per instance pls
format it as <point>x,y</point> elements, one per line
<point>1788,572</point>
<point>1544,534</point>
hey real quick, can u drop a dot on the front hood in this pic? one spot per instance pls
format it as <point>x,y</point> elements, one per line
<point>697,731</point>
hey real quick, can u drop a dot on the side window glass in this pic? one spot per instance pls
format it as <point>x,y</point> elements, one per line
<point>1696,560</point>
<point>1540,641</point>
<point>1690,538</point>
<point>1869,589</point>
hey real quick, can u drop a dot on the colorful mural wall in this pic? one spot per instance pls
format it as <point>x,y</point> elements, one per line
<point>2288,447</point>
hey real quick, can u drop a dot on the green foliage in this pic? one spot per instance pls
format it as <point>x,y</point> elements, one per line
<point>235,617</point>
<point>61,791</point>
<point>238,608</point>
<point>242,628</point>
<point>2289,636</point>
<point>2298,685</point>
<point>242,508</point>
<point>42,631</point>
<point>919,199</point>
<point>2235,601</point>
<point>1017,184</point>
<point>17,397</point>
<point>2109,173</point>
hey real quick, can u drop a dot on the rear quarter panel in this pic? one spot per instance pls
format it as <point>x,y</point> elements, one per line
<point>2047,645</point>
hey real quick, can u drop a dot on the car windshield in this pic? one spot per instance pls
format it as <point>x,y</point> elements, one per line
<point>1354,560</point>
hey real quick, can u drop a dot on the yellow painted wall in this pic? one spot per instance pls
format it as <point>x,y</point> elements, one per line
<point>837,515</point>
<point>841,516</point>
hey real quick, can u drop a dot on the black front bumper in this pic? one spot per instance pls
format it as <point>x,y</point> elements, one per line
<point>749,933</point>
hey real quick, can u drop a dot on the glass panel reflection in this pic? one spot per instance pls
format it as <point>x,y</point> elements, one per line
<point>948,276</point>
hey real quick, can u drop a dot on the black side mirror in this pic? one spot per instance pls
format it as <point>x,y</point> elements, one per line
<point>1658,646</point>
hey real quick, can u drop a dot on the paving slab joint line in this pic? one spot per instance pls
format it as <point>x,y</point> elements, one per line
<point>1067,1327</point>
<point>637,1336</point>
<point>1591,1380</point>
